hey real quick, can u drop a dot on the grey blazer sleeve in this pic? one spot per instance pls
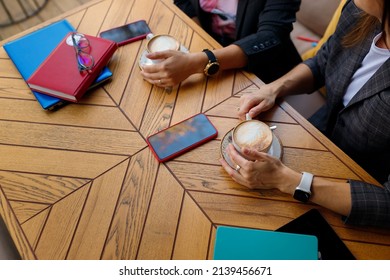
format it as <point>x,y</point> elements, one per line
<point>370,204</point>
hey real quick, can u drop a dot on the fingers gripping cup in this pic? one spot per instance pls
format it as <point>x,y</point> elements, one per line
<point>252,134</point>
<point>158,43</point>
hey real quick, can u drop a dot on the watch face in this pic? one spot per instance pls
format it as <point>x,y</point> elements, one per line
<point>301,195</point>
<point>213,68</point>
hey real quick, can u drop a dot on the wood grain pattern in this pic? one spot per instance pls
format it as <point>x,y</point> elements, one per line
<point>127,224</point>
<point>193,234</point>
<point>38,188</point>
<point>34,226</point>
<point>52,9</point>
<point>18,236</point>
<point>163,217</point>
<point>25,210</point>
<point>73,138</point>
<point>81,183</point>
<point>90,236</point>
<point>57,235</point>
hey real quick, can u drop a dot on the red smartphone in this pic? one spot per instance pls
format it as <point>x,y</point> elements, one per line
<point>182,137</point>
<point>127,33</point>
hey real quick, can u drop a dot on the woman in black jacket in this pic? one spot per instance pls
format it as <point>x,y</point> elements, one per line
<point>258,40</point>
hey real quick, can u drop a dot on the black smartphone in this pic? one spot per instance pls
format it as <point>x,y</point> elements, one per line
<point>127,33</point>
<point>181,137</point>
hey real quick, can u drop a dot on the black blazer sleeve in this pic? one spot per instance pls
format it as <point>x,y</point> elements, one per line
<point>187,7</point>
<point>264,29</point>
<point>263,33</point>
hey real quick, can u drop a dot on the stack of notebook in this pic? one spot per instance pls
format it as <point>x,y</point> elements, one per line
<point>308,237</point>
<point>31,51</point>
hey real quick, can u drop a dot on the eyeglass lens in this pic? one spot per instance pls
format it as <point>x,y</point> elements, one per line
<point>85,59</point>
<point>81,44</point>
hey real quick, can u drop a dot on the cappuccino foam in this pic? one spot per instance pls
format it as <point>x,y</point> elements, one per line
<point>162,43</point>
<point>253,134</point>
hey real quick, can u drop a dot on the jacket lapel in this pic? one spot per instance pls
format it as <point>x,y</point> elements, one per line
<point>349,62</point>
<point>377,83</point>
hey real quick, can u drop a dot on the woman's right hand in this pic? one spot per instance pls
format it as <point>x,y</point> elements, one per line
<point>263,171</point>
<point>257,102</point>
<point>174,67</point>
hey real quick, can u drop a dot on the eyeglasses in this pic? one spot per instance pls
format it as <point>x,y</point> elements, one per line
<point>85,61</point>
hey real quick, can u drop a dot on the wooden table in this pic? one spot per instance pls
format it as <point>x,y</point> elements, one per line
<point>81,183</point>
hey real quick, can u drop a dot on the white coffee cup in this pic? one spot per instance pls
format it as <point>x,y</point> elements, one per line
<point>252,134</point>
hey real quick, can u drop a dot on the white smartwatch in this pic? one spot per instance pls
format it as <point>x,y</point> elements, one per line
<point>302,191</point>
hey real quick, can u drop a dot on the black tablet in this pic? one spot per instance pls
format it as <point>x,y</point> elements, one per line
<point>330,246</point>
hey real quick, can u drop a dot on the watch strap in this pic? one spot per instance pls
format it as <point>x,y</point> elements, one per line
<point>212,66</point>
<point>305,183</point>
<point>302,191</point>
<point>210,55</point>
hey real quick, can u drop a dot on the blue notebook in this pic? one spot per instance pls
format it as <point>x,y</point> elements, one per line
<point>29,51</point>
<point>234,243</point>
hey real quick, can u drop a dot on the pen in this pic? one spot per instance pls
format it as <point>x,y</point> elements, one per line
<point>303,38</point>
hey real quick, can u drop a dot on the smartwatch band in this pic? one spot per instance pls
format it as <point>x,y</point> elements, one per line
<point>303,190</point>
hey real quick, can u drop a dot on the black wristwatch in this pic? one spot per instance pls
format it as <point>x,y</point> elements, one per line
<point>302,191</point>
<point>212,66</point>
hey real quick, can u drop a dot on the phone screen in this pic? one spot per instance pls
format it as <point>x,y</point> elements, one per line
<point>127,33</point>
<point>182,137</point>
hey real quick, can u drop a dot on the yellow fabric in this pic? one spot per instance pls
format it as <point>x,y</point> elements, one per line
<point>328,32</point>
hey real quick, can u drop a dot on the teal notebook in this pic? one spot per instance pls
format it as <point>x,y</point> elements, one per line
<point>29,51</point>
<point>234,243</point>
